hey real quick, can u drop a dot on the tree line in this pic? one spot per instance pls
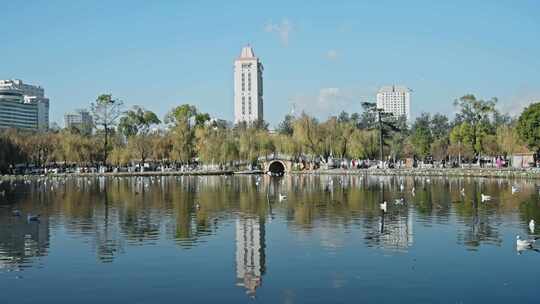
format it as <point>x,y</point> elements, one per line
<point>185,134</point>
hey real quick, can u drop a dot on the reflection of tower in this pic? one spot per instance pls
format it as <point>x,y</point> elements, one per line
<point>250,253</point>
<point>398,232</point>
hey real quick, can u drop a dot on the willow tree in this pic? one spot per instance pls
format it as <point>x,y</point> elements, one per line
<point>307,131</point>
<point>364,144</point>
<point>509,140</point>
<point>184,119</point>
<point>106,111</point>
<point>162,146</point>
<point>10,154</point>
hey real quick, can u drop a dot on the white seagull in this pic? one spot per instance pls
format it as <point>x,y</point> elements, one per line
<point>515,189</point>
<point>383,206</point>
<point>531,226</point>
<point>524,243</point>
<point>282,197</point>
<point>485,198</point>
<point>32,218</point>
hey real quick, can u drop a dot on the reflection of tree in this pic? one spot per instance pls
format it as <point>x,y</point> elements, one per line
<point>21,241</point>
<point>108,240</point>
<point>529,210</point>
<point>479,219</point>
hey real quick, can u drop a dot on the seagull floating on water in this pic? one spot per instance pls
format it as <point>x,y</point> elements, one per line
<point>514,189</point>
<point>383,206</point>
<point>524,243</point>
<point>32,218</point>
<point>282,197</point>
<point>531,226</point>
<point>485,198</point>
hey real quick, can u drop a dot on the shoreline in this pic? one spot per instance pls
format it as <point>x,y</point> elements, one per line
<point>533,173</point>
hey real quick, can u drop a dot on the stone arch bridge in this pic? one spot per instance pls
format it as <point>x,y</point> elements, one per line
<point>277,165</point>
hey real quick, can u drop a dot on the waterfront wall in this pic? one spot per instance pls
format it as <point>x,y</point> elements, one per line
<point>461,172</point>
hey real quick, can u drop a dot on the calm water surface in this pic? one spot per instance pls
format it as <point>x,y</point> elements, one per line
<point>231,240</point>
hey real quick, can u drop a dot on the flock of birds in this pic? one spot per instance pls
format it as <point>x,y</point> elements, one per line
<point>521,244</point>
<point>29,217</point>
<point>525,244</point>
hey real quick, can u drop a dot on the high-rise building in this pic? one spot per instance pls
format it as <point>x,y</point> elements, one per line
<point>395,100</point>
<point>80,119</point>
<point>248,87</point>
<point>14,112</point>
<point>17,96</point>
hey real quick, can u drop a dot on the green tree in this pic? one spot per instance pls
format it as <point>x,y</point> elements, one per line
<point>137,121</point>
<point>286,126</point>
<point>528,126</point>
<point>462,141</point>
<point>384,122</point>
<point>421,135</point>
<point>476,113</point>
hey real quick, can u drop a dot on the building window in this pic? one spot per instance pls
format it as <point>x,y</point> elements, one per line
<point>243,105</point>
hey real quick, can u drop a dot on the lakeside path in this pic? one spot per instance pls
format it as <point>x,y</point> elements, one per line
<point>435,172</point>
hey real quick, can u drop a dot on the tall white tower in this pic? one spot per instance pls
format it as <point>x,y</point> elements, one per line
<point>248,87</point>
<point>395,100</point>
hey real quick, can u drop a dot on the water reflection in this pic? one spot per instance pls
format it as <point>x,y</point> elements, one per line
<point>22,242</point>
<point>250,253</point>
<point>113,215</point>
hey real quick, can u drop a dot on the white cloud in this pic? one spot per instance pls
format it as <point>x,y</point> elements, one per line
<point>283,30</point>
<point>517,103</point>
<point>329,101</point>
<point>332,54</point>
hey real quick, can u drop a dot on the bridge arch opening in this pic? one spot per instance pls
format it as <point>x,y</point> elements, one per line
<point>276,168</point>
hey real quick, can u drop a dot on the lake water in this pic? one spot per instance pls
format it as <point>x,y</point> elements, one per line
<point>231,240</point>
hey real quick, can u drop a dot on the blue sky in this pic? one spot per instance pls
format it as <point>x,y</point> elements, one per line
<point>323,56</point>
